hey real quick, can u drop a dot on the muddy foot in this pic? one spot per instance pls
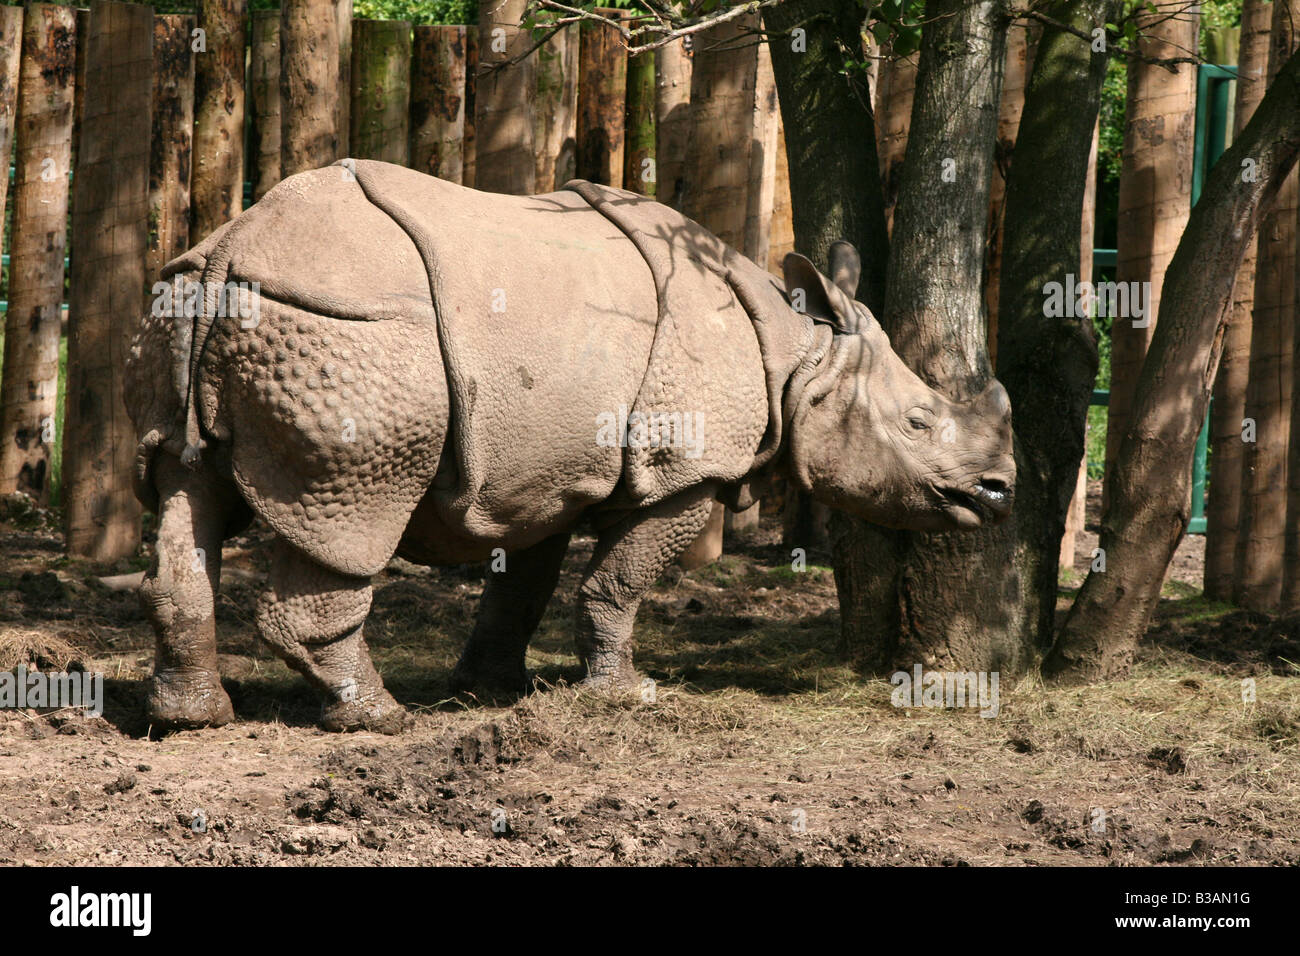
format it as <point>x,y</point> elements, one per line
<point>624,680</point>
<point>491,684</point>
<point>378,713</point>
<point>185,699</point>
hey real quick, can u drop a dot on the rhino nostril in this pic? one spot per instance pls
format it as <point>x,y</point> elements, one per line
<point>994,486</point>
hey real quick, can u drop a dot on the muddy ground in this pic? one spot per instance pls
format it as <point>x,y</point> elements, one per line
<point>759,746</point>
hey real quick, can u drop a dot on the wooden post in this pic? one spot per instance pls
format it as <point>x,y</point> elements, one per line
<point>309,86</point>
<point>381,90</point>
<point>672,119</point>
<point>109,234</point>
<point>343,121</point>
<point>781,235</point>
<point>438,101</point>
<point>11,37</point>
<point>40,221</point>
<point>639,173</point>
<point>555,112</point>
<point>893,116</point>
<point>469,144</point>
<point>602,95</point>
<point>169,159</point>
<point>264,101</point>
<point>217,186</point>
<point>78,97</point>
<point>503,102</point>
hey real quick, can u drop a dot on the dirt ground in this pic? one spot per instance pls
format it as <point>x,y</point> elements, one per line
<point>758,746</point>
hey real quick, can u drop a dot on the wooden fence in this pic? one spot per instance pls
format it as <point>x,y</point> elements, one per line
<point>154,130</point>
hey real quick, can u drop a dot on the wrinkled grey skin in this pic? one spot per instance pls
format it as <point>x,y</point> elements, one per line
<point>862,433</point>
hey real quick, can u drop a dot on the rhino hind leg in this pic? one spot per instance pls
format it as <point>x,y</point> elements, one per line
<point>629,557</point>
<point>512,605</point>
<point>313,618</point>
<point>179,596</point>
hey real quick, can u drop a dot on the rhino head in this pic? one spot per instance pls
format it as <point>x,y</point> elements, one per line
<point>869,437</point>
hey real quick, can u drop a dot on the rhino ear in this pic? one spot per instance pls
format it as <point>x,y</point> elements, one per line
<point>846,267</point>
<point>821,300</point>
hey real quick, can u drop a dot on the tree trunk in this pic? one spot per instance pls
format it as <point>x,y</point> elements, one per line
<point>343,101</point>
<point>109,233</point>
<point>438,101</point>
<point>40,221</point>
<point>503,102</point>
<point>780,239</point>
<point>381,91</point>
<point>217,187</point>
<point>264,101</point>
<point>894,115</point>
<point>1155,193</point>
<point>1262,523</point>
<point>172,143</point>
<point>1151,501</point>
<point>309,86</point>
<point>602,91</point>
<point>1232,382</point>
<point>1015,76</point>
<point>469,143</point>
<point>639,172</point>
<point>11,42</point>
<point>672,120</point>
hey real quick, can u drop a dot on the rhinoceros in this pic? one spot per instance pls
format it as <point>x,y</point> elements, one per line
<point>424,370</point>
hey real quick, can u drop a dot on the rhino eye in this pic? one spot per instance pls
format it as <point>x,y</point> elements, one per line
<point>920,424</point>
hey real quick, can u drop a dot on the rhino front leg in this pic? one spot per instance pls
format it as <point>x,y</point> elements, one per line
<point>313,618</point>
<point>628,560</point>
<point>179,595</point>
<point>512,605</point>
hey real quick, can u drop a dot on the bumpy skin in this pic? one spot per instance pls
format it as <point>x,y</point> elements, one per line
<point>380,402</point>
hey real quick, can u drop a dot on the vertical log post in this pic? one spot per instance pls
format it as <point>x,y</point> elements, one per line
<point>309,86</point>
<point>40,221</point>
<point>555,112</point>
<point>438,101</point>
<point>217,184</point>
<point>11,43</point>
<point>343,113</point>
<point>504,96</point>
<point>109,234</point>
<point>639,172</point>
<point>264,101</point>
<point>602,94</point>
<point>469,140</point>
<point>672,119</point>
<point>381,90</point>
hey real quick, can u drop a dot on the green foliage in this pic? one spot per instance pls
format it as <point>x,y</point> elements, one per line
<point>418,11</point>
<point>896,25</point>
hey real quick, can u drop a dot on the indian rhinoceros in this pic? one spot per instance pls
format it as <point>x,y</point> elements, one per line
<point>438,373</point>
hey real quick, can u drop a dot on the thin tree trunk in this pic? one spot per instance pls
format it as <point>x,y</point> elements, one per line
<point>1155,193</point>
<point>309,85</point>
<point>381,91</point>
<point>109,234</point>
<point>893,116</point>
<point>217,186</point>
<point>1231,384</point>
<point>32,324</point>
<point>264,101</point>
<point>1151,501</point>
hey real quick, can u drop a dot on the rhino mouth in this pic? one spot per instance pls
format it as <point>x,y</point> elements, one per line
<point>983,504</point>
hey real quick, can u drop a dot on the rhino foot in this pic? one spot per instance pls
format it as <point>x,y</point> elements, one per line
<point>186,699</point>
<point>491,684</point>
<point>379,714</point>
<point>622,680</point>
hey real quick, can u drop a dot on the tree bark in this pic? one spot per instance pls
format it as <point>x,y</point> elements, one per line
<point>893,116</point>
<point>1155,193</point>
<point>1150,502</point>
<point>469,142</point>
<point>32,324</point>
<point>309,85</point>
<point>172,142</point>
<point>343,101</point>
<point>555,113</point>
<point>109,232</point>
<point>672,120</point>
<point>1232,382</point>
<point>264,101</point>
<point>381,91</point>
<point>438,101</point>
<point>217,186</point>
<point>11,43</point>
